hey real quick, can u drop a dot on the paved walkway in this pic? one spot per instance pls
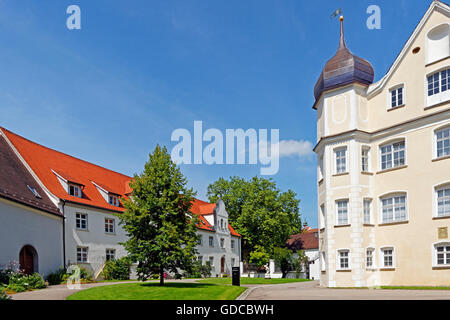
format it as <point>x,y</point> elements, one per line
<point>312,291</point>
<point>61,292</point>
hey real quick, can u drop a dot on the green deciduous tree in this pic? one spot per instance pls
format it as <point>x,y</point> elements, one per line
<point>259,257</point>
<point>283,259</point>
<point>161,229</point>
<point>259,211</point>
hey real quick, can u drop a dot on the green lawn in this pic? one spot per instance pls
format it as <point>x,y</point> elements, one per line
<point>246,280</point>
<point>152,291</point>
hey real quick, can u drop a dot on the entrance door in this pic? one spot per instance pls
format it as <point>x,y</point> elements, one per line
<point>222,265</point>
<point>27,259</point>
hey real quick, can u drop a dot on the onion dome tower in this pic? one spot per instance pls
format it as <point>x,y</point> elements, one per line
<point>343,69</point>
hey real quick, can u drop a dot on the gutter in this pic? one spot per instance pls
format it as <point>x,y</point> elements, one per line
<point>64,232</point>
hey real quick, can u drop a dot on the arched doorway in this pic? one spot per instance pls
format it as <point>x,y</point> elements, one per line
<point>28,259</point>
<point>222,265</point>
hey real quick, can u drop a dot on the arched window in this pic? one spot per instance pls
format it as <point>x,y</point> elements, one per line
<point>438,43</point>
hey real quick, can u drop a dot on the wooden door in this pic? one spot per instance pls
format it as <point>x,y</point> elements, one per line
<point>26,259</point>
<point>222,265</point>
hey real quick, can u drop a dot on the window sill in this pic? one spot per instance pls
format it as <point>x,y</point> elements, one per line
<point>343,270</point>
<point>342,225</point>
<point>392,169</point>
<point>441,267</point>
<point>435,105</point>
<point>440,158</point>
<point>368,225</point>
<point>367,173</point>
<point>440,218</point>
<point>85,230</point>
<point>372,269</point>
<point>340,174</point>
<point>110,233</point>
<point>396,107</point>
<point>393,223</point>
<point>437,61</point>
<point>387,269</point>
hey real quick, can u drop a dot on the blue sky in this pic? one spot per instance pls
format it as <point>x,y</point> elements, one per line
<point>137,70</point>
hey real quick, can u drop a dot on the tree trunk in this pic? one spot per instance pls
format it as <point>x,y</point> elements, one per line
<point>161,276</point>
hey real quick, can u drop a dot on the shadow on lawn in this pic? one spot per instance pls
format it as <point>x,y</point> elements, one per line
<point>178,285</point>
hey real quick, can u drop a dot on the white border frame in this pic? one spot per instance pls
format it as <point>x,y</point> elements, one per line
<point>381,257</point>
<point>388,195</point>
<point>338,260</point>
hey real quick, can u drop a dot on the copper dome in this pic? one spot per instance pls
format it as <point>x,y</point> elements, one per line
<point>344,68</point>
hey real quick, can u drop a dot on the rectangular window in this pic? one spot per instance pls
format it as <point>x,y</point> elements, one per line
<point>232,245</point>
<point>443,255</point>
<point>344,259</point>
<point>443,202</point>
<point>74,190</point>
<point>81,221</point>
<point>439,82</point>
<point>113,200</point>
<point>211,241</point>
<point>367,215</point>
<point>200,259</point>
<point>211,262</point>
<point>82,254</point>
<point>443,143</point>
<point>200,241</point>
<point>233,260</point>
<point>397,97</point>
<point>222,242</point>
<point>369,258</point>
<point>340,156</point>
<point>365,159</point>
<point>110,254</point>
<point>109,225</point>
<point>388,258</point>
<point>393,209</point>
<point>393,155</point>
<point>342,212</point>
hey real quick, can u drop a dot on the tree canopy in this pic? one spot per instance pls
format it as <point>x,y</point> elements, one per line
<point>161,229</point>
<point>259,211</point>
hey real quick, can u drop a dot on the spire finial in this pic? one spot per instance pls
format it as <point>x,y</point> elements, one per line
<point>342,40</point>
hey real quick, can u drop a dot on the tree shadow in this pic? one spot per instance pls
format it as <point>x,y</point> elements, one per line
<point>178,285</point>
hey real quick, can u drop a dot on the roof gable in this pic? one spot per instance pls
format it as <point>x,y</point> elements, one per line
<point>435,5</point>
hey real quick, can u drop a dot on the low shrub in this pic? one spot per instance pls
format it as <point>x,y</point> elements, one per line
<point>56,277</point>
<point>19,282</point>
<point>3,295</point>
<point>117,269</point>
<point>5,274</point>
<point>224,275</point>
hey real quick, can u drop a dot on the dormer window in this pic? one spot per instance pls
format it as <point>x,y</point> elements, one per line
<point>35,193</point>
<point>74,190</point>
<point>113,200</point>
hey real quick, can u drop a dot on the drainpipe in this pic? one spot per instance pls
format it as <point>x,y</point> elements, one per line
<point>64,232</point>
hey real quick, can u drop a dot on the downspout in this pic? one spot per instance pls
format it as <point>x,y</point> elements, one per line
<point>64,232</point>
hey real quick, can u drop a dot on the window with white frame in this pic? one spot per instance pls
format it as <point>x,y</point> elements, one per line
<point>113,200</point>
<point>370,263</point>
<point>367,216</point>
<point>82,254</point>
<point>200,240</point>
<point>438,43</point>
<point>233,260</point>
<point>387,257</point>
<point>365,159</point>
<point>393,155</point>
<point>323,261</point>
<point>322,216</point>
<point>438,87</point>
<point>344,259</point>
<point>110,254</point>
<point>109,225</point>
<point>341,161</point>
<point>442,253</point>
<point>443,201</point>
<point>232,246</point>
<point>443,143</point>
<point>342,212</point>
<point>200,259</point>
<point>393,208</point>
<point>211,241</point>
<point>81,221</point>
<point>397,97</point>
<point>74,190</point>
<point>211,262</point>
<point>321,168</point>
<point>222,242</point>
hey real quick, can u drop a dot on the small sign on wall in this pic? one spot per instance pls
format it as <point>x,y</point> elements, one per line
<point>443,233</point>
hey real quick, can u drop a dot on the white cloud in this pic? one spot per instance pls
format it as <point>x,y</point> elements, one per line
<point>299,148</point>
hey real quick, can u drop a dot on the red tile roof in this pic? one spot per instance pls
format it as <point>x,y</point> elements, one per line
<point>304,241</point>
<point>45,162</point>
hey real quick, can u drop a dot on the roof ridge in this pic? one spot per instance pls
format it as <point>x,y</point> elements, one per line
<point>63,153</point>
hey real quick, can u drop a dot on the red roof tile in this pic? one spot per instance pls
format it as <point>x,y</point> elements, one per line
<point>45,162</point>
<point>304,241</point>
